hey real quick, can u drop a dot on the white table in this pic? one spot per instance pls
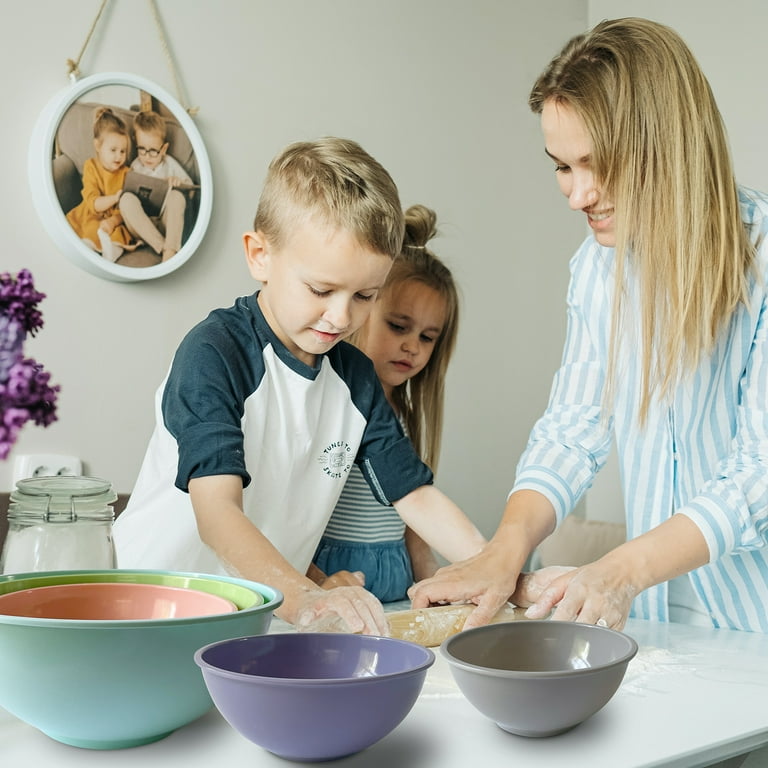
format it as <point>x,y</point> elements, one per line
<point>691,697</point>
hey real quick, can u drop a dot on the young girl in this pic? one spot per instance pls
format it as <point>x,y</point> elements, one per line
<point>666,352</point>
<point>96,219</point>
<point>410,336</point>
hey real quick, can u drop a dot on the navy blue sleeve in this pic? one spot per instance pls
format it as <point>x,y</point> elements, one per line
<point>396,471</point>
<point>203,401</point>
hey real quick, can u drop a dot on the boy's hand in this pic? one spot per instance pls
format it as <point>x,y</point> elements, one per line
<point>342,609</point>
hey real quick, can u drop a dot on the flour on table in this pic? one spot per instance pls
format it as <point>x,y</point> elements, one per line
<point>649,664</point>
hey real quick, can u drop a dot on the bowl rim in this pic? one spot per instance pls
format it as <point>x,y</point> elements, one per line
<point>224,604</point>
<point>625,658</point>
<point>272,599</point>
<point>206,666</point>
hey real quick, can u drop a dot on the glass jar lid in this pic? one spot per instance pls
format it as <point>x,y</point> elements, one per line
<point>63,497</point>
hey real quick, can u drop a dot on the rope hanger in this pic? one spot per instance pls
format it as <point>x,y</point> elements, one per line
<point>73,66</point>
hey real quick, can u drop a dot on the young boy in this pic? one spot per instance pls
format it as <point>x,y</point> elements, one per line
<point>164,231</point>
<point>264,411</point>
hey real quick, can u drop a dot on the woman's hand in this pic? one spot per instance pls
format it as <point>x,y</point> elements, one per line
<point>485,580</point>
<point>531,585</point>
<point>600,592</point>
<point>341,609</point>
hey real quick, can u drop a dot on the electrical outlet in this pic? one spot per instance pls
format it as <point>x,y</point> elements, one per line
<point>44,465</point>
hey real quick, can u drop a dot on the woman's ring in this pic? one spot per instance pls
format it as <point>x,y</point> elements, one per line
<point>601,623</point>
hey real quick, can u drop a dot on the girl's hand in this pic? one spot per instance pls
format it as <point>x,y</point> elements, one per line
<point>423,561</point>
<point>338,579</point>
<point>343,579</point>
<point>342,609</point>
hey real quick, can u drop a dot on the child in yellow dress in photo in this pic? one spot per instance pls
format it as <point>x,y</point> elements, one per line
<point>96,219</point>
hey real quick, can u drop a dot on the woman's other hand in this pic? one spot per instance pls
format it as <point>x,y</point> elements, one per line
<point>599,592</point>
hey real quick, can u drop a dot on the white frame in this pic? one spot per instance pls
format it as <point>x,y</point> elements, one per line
<point>44,193</point>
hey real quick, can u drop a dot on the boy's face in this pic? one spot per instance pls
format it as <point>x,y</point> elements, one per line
<point>318,288</point>
<point>150,148</point>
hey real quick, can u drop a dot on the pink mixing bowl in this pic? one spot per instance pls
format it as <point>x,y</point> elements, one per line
<point>112,602</point>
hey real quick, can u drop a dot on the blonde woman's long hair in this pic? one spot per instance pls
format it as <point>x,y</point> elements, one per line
<point>660,150</point>
<point>420,400</point>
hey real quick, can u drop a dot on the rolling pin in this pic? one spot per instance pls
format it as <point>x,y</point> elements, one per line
<point>430,626</point>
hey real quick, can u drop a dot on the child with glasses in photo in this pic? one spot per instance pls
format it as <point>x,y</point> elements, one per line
<point>163,232</point>
<point>97,219</point>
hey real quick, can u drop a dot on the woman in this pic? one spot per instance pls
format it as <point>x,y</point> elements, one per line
<point>666,353</point>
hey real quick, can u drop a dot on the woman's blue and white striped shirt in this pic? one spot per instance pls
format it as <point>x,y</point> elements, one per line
<point>703,453</point>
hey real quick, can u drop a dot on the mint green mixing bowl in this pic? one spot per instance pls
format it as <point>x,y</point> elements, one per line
<point>115,684</point>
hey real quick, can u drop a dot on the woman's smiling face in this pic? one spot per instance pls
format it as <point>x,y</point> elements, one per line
<point>568,144</point>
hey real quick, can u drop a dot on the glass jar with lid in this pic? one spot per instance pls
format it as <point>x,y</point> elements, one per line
<point>61,522</point>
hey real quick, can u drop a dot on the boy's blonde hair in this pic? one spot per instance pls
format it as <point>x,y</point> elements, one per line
<point>420,400</point>
<point>150,122</point>
<point>660,151</point>
<point>336,183</point>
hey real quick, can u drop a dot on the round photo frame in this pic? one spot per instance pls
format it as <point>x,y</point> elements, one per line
<point>61,143</point>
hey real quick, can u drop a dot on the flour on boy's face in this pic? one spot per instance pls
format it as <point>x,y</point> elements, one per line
<point>318,287</point>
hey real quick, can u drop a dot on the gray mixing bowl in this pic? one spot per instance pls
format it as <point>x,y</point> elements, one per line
<point>538,678</point>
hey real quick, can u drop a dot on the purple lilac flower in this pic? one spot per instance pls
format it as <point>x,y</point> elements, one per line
<point>26,396</point>
<point>25,390</point>
<point>13,419</point>
<point>19,300</point>
<point>11,342</point>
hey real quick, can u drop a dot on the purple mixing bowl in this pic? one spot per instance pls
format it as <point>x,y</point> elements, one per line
<point>314,696</point>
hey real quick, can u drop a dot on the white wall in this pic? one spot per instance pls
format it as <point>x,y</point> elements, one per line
<point>435,89</point>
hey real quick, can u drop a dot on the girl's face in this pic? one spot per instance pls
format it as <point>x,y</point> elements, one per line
<point>112,151</point>
<point>402,331</point>
<point>567,142</point>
